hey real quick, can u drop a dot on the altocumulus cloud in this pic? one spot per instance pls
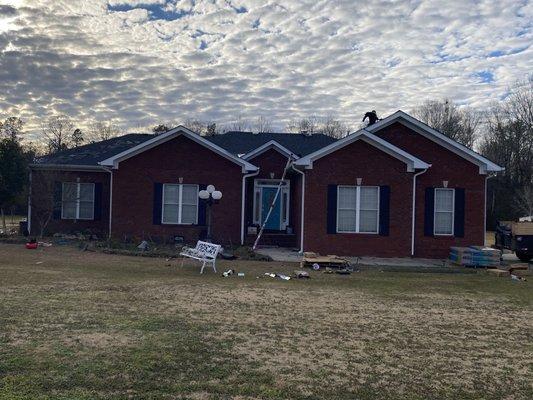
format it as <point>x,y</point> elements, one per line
<point>138,62</point>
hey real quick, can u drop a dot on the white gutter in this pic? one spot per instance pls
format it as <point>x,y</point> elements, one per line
<point>302,209</point>
<point>243,204</point>
<point>414,212</point>
<point>29,207</point>
<point>485,212</point>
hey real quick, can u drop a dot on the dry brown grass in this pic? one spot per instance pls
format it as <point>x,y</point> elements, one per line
<point>88,316</point>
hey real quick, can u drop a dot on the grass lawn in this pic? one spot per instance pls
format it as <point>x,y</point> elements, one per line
<point>81,325</point>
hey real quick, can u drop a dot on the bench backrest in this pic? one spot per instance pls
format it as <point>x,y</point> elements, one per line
<point>207,250</point>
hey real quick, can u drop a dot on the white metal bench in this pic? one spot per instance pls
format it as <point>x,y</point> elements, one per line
<point>204,252</point>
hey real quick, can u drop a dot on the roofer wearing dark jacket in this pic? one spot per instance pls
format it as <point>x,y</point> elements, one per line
<point>372,117</point>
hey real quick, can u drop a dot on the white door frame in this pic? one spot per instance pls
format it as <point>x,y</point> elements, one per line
<point>259,184</point>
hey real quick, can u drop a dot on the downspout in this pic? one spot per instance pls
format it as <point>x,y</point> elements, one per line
<point>243,205</point>
<point>110,170</point>
<point>413,219</point>
<point>485,209</point>
<point>29,206</point>
<point>302,208</point>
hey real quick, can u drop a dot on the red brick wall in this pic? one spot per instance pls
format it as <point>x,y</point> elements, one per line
<point>343,167</point>
<point>446,166</point>
<point>42,192</point>
<point>133,191</point>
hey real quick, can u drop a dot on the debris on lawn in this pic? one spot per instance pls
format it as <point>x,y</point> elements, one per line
<point>39,262</point>
<point>143,246</point>
<point>32,244</point>
<point>277,275</point>
<point>517,278</point>
<point>228,273</point>
<point>240,274</point>
<point>316,266</point>
<point>299,274</point>
<point>311,259</point>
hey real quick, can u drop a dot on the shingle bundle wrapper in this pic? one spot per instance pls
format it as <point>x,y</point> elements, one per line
<point>475,256</point>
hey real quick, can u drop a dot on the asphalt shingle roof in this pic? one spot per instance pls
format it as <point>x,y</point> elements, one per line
<point>244,142</point>
<point>92,153</point>
<point>235,142</point>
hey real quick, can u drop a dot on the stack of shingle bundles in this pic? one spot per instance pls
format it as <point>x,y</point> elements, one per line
<point>475,256</point>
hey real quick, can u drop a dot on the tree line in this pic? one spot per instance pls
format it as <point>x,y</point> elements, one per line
<point>503,133</point>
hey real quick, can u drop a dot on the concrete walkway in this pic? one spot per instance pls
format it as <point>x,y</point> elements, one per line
<point>289,255</point>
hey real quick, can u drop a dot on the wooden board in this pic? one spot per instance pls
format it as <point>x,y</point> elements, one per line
<point>324,261</point>
<point>522,228</point>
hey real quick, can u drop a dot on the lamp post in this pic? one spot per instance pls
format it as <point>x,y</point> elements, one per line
<point>211,196</point>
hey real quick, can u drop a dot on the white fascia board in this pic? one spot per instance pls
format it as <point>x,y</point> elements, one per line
<point>165,137</point>
<point>411,161</point>
<point>272,144</point>
<point>485,165</point>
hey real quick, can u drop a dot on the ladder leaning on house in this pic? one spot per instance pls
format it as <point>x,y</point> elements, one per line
<point>273,202</point>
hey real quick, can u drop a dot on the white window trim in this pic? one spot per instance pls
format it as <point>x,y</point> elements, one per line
<point>435,211</point>
<point>78,200</point>
<point>358,209</point>
<point>180,204</point>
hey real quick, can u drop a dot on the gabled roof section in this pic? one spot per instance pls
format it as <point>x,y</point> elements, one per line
<point>115,160</point>
<point>411,161</point>
<point>485,165</point>
<point>239,143</point>
<point>267,146</point>
<point>90,154</point>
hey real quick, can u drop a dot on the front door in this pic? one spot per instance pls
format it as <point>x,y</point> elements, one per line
<point>274,220</point>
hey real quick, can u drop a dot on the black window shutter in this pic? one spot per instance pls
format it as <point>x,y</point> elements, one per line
<point>332,209</point>
<point>202,209</point>
<point>58,192</point>
<point>384,210</point>
<point>429,208</point>
<point>158,202</point>
<point>97,201</point>
<point>459,215</point>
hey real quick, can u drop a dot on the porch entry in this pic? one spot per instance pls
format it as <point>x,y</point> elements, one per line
<point>264,193</point>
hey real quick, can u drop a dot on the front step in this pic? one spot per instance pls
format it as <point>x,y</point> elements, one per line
<point>274,239</point>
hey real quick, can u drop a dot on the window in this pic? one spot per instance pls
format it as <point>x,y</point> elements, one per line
<point>180,204</point>
<point>77,200</point>
<point>358,209</point>
<point>444,210</point>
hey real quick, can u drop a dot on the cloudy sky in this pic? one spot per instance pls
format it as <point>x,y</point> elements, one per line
<point>140,62</point>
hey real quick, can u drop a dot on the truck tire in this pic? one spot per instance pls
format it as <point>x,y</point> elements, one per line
<point>524,257</point>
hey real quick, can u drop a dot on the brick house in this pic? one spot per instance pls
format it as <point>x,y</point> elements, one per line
<point>394,189</point>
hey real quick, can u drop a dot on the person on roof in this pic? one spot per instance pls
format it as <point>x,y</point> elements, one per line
<point>372,117</point>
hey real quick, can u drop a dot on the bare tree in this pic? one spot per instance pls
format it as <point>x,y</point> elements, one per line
<point>509,142</point>
<point>263,125</point>
<point>159,129</point>
<point>11,128</point>
<point>329,125</point>
<point>239,124</point>
<point>459,124</point>
<point>57,131</point>
<point>99,130</point>
<point>43,199</point>
<point>308,125</point>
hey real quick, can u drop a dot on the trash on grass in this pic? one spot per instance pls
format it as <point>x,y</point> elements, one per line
<point>316,266</point>
<point>299,274</point>
<point>228,273</point>
<point>517,278</point>
<point>241,274</point>
<point>143,245</point>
